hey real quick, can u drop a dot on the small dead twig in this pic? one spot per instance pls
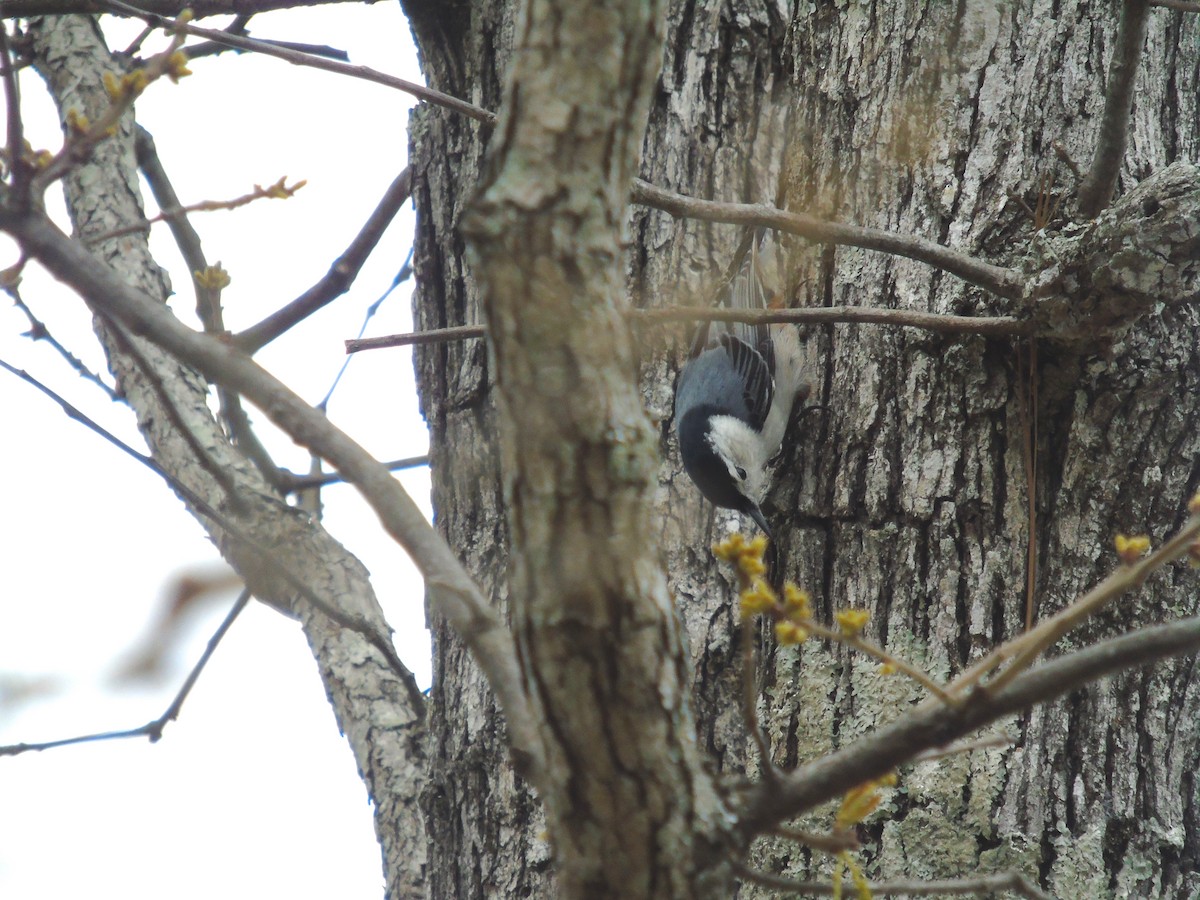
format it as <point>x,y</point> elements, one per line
<point>39,332</point>
<point>154,728</point>
<point>987,326</point>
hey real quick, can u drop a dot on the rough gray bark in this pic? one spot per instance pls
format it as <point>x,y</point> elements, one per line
<point>907,494</point>
<point>377,707</point>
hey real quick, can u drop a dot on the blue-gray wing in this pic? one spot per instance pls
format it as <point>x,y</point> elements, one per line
<point>754,372</point>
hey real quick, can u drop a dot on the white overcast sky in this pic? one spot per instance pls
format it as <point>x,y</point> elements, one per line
<point>252,793</point>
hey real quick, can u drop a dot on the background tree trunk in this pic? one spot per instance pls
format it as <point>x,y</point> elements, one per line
<point>907,493</point>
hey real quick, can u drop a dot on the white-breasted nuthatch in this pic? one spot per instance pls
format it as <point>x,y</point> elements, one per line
<point>735,397</point>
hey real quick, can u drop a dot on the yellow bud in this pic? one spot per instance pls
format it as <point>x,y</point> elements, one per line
<point>177,66</point>
<point>214,278</point>
<point>1131,549</point>
<point>112,85</point>
<point>796,602</point>
<point>1194,505</point>
<point>790,633</point>
<point>730,548</point>
<point>758,599</point>
<point>887,669</point>
<point>77,121</point>
<point>852,621</point>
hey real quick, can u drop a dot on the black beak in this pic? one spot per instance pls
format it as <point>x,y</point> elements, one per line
<point>756,514</point>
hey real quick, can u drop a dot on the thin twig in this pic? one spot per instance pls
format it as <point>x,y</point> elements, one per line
<point>900,664</point>
<point>39,332</point>
<point>208,298</point>
<point>750,702</point>
<point>13,9</point>
<point>291,483</point>
<point>83,135</point>
<point>979,884</point>
<point>21,170</point>
<point>340,275</point>
<point>153,729</point>
<point>826,842</point>
<point>1007,283</point>
<point>432,336</point>
<point>303,59</point>
<point>332,612</point>
<point>1029,412</point>
<point>988,743</point>
<point>988,326</point>
<point>187,239</point>
<point>1097,188</point>
<point>1029,646</point>
<point>932,723</point>
<point>212,48</point>
<point>128,345</point>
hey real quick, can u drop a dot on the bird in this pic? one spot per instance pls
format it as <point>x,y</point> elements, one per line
<point>735,397</point>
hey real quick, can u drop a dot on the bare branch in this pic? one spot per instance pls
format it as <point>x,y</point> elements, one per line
<point>1097,188</point>
<point>302,59</point>
<point>205,459</point>
<point>750,702</point>
<point>39,332</point>
<point>1000,740</point>
<point>932,724</point>
<point>20,9</point>
<point>186,237</point>
<point>340,275</point>
<point>212,48</point>
<point>208,297</point>
<point>981,884</point>
<point>153,729</point>
<point>292,483</point>
<point>21,170</point>
<point>830,842</point>
<point>451,589</point>
<point>432,336</point>
<point>988,326</point>
<point>1027,648</point>
<point>1007,283</point>
<point>374,636</point>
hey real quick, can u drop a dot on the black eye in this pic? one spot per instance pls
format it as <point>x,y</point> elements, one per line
<point>741,473</point>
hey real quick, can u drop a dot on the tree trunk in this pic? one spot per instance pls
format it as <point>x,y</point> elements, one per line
<point>906,493</point>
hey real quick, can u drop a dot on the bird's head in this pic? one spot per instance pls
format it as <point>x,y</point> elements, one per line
<point>725,459</point>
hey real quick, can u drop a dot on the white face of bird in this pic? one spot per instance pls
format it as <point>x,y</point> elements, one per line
<point>740,447</point>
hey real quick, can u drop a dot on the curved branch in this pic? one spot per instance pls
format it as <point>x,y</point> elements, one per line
<point>1097,188</point>
<point>341,274</point>
<point>1007,283</point>
<point>452,591</point>
<point>933,724</point>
